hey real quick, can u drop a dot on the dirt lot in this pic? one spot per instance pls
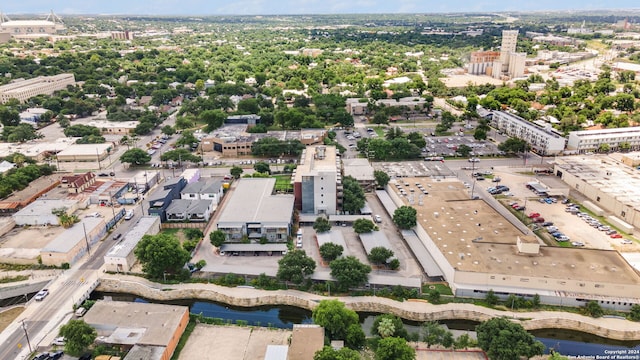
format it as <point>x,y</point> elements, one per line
<point>231,342</point>
<point>23,244</point>
<point>7,317</point>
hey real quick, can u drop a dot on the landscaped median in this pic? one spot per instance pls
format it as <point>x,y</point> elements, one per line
<point>611,328</point>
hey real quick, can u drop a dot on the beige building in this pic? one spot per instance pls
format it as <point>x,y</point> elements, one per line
<point>120,257</point>
<point>147,331</point>
<point>85,152</point>
<point>23,90</point>
<point>608,183</point>
<point>74,242</point>
<point>478,250</point>
<point>113,127</point>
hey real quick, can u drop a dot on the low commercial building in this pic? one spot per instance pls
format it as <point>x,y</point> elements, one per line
<point>544,140</point>
<point>147,331</point>
<point>616,139</point>
<point>77,183</point>
<point>254,212</point>
<point>85,152</point>
<point>373,240</point>
<point>74,242</point>
<point>112,127</point>
<point>251,119</point>
<point>120,257</point>
<point>608,183</point>
<point>22,90</point>
<point>478,250</point>
<point>362,171</point>
<point>40,212</point>
<point>32,115</point>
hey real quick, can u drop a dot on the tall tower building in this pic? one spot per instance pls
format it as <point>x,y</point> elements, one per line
<point>509,42</point>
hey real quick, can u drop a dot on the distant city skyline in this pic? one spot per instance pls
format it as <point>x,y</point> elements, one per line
<point>291,7</point>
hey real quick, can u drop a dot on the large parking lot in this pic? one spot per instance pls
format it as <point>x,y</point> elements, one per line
<point>569,224</point>
<point>448,145</point>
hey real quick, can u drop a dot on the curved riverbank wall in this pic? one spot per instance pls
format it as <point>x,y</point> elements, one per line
<point>611,328</point>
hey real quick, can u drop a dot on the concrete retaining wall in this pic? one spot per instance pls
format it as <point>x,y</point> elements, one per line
<point>411,310</point>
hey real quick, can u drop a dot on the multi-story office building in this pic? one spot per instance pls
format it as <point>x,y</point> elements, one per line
<point>23,90</point>
<point>510,64</point>
<point>544,140</point>
<point>590,140</point>
<point>317,183</point>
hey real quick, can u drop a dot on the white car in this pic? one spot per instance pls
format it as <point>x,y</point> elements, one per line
<point>41,294</point>
<point>299,243</point>
<point>626,242</point>
<point>59,341</point>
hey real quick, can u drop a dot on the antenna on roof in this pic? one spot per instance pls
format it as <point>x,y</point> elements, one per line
<point>54,18</point>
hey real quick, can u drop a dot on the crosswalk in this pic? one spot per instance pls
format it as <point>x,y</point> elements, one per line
<point>74,282</point>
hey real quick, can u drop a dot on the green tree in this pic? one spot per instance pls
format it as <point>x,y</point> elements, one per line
<point>480,134</point>
<point>135,156</point>
<point>593,309</point>
<point>398,327</point>
<point>353,199</point>
<point>160,254</point>
<point>463,341</point>
<point>349,272</point>
<point>363,226</point>
<point>393,348</point>
<point>168,130</point>
<point>295,266</point>
<point>513,145</point>
<point>491,298</point>
<point>379,255</point>
<point>213,118</point>
<point>382,178</point>
<point>179,155</point>
<point>434,296</point>
<point>464,150</point>
<point>634,313</point>
<point>329,353</point>
<point>20,133</point>
<point>433,333</point>
<point>502,339</point>
<point>236,171</point>
<point>9,116</point>
<point>330,251</point>
<point>262,167</point>
<point>335,318</point>
<point>321,225</point>
<point>385,328</point>
<point>78,336</point>
<point>405,217</point>
<point>81,130</point>
<point>217,238</point>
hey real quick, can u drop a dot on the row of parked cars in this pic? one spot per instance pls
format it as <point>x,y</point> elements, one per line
<point>498,189</point>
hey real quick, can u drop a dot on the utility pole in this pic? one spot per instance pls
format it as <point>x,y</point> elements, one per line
<point>86,239</point>
<point>24,327</point>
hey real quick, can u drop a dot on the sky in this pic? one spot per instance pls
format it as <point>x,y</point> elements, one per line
<point>288,7</point>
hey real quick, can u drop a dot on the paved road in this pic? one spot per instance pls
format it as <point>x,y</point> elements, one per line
<point>42,319</point>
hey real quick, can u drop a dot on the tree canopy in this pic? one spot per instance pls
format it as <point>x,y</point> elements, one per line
<point>405,217</point>
<point>353,199</point>
<point>78,336</point>
<point>363,226</point>
<point>502,339</point>
<point>339,322</point>
<point>135,156</point>
<point>160,254</point>
<point>330,251</point>
<point>349,272</point>
<point>321,225</point>
<point>393,348</point>
<point>295,266</point>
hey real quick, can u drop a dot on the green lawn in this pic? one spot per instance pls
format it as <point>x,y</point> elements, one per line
<point>283,183</point>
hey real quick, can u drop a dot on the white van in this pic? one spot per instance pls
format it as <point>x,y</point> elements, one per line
<point>128,215</point>
<point>80,312</point>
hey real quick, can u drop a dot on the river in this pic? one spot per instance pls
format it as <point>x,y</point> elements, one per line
<point>567,342</point>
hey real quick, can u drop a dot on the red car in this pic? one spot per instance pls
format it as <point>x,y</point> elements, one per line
<point>534,215</point>
<point>515,205</point>
<point>616,236</point>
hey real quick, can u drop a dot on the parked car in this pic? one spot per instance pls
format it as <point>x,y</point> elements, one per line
<point>547,223</point>
<point>611,232</point>
<point>533,215</point>
<point>563,238</point>
<point>552,229</point>
<point>59,341</point>
<point>117,237</point>
<point>56,355</point>
<point>626,242</point>
<point>539,219</point>
<point>577,243</point>
<point>496,179</point>
<point>41,294</point>
<point>616,236</point>
<point>520,208</point>
<point>42,356</point>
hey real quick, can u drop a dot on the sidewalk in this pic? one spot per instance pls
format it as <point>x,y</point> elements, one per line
<point>411,310</point>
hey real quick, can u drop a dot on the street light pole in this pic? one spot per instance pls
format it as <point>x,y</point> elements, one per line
<point>24,327</point>
<point>98,158</point>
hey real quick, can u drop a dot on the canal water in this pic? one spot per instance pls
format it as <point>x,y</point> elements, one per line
<point>567,342</point>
